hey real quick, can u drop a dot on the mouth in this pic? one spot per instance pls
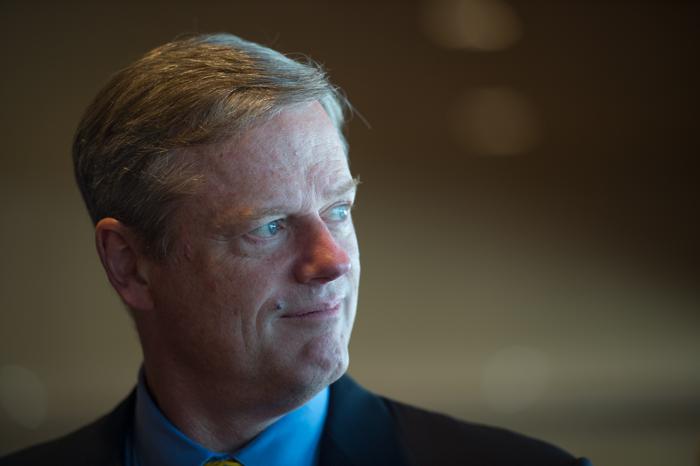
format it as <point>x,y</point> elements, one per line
<point>321,311</point>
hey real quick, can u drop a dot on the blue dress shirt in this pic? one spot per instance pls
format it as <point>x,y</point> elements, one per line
<point>292,440</point>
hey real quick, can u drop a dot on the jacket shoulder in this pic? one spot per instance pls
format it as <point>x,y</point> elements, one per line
<point>434,438</point>
<point>99,443</point>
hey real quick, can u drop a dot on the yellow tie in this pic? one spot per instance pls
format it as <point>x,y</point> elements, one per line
<point>223,463</point>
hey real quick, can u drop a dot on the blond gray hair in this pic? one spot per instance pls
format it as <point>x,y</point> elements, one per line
<point>128,150</point>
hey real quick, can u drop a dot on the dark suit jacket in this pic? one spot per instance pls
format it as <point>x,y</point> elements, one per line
<point>361,429</point>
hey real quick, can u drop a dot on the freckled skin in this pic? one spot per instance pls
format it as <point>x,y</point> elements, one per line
<point>216,338</point>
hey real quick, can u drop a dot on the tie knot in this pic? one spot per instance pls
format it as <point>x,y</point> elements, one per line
<point>222,462</point>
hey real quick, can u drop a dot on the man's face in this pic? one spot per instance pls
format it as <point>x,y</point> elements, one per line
<point>261,288</point>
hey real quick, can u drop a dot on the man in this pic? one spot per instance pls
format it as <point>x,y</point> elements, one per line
<point>217,177</point>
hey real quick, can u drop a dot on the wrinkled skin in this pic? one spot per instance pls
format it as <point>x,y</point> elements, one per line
<point>253,310</point>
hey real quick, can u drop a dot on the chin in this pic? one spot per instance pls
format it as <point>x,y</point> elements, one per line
<point>309,365</point>
<point>322,362</point>
<point>298,387</point>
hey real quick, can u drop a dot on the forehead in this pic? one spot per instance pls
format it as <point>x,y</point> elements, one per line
<point>296,152</point>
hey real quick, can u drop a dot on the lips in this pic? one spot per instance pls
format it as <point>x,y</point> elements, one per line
<point>322,310</point>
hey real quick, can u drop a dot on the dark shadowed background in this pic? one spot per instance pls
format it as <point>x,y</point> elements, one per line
<point>528,216</point>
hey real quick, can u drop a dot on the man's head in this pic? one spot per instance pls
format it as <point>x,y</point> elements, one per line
<point>128,148</point>
<point>217,176</point>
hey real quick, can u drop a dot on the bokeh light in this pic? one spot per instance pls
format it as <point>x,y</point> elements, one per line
<point>495,121</point>
<point>23,396</point>
<point>514,378</point>
<point>483,25</point>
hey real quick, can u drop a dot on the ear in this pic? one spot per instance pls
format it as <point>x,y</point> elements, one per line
<point>127,268</point>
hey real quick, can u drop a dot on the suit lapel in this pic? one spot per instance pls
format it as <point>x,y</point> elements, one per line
<point>359,430</point>
<point>107,440</point>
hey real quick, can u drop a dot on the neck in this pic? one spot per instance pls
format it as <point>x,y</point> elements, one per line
<point>215,417</point>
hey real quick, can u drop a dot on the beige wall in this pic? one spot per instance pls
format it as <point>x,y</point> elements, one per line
<point>553,289</point>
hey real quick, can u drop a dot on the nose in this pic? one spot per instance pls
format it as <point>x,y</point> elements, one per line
<point>322,259</point>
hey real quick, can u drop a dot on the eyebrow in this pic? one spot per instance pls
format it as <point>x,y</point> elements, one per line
<point>249,215</point>
<point>346,187</point>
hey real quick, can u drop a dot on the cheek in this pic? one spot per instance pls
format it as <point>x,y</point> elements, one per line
<point>205,296</point>
<point>244,288</point>
<point>353,251</point>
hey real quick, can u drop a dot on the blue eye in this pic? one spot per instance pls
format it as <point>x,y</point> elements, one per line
<point>268,230</point>
<point>340,213</point>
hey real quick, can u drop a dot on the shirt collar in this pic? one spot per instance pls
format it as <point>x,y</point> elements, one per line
<point>292,440</point>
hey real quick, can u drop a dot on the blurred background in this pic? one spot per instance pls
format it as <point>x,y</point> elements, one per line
<point>528,215</point>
